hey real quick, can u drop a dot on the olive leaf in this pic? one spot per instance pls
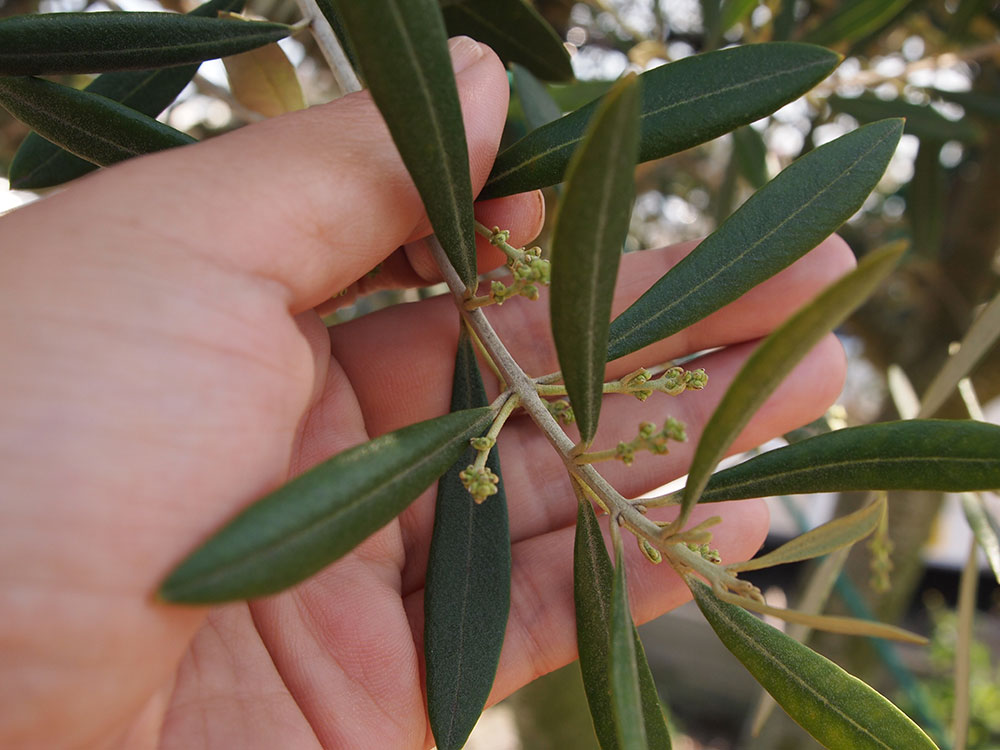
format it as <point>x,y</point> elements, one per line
<point>922,120</point>
<point>933,454</point>
<point>982,334</point>
<point>780,223</point>
<point>39,163</point>
<point>402,50</point>
<point>623,669</point>
<point>775,358</point>
<point>515,31</point>
<point>824,539</point>
<point>854,20</point>
<point>587,244</point>
<point>593,578</point>
<point>264,81</point>
<point>536,102</point>
<point>839,710</point>
<point>58,43</point>
<point>682,104</point>
<point>90,126</point>
<point>467,590</point>
<point>323,514</point>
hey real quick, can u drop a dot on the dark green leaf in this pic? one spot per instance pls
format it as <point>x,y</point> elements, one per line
<point>751,155</point>
<point>711,21</point>
<point>681,105</point>
<point>623,669</point>
<point>87,125</point>
<point>926,201</point>
<point>592,582</point>
<point>837,709</point>
<point>39,163</point>
<point>402,49</point>
<point>784,21</point>
<point>586,249</point>
<point>776,357</point>
<point>57,43</point>
<point>856,19</point>
<point>323,514</point>
<point>922,120</point>
<point>537,104</point>
<point>515,31</point>
<point>780,223</point>
<point>932,454</point>
<point>467,590</point>
<point>734,11</point>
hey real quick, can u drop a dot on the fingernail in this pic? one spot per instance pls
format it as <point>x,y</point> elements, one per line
<point>464,52</point>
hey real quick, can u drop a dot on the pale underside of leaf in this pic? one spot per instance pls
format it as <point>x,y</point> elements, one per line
<point>831,536</point>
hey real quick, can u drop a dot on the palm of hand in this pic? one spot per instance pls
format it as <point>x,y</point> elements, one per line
<point>175,374</point>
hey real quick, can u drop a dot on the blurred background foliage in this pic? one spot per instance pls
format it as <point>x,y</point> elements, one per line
<point>936,62</point>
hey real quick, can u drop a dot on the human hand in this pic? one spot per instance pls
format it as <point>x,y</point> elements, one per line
<point>165,366</point>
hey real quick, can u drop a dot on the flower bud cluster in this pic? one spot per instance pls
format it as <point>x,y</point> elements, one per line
<point>481,483</point>
<point>561,410</point>
<point>707,552</point>
<point>673,382</point>
<point>651,439</point>
<point>529,270</point>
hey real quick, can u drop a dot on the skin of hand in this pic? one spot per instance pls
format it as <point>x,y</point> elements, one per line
<point>164,366</point>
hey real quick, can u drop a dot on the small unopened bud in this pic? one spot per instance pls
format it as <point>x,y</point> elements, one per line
<point>482,443</point>
<point>481,483</point>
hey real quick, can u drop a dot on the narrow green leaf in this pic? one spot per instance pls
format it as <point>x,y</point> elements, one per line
<point>711,21</point>
<point>467,590</point>
<point>775,358</point>
<point>922,120</point>
<point>623,670</point>
<point>593,576</point>
<point>39,163</point>
<point>855,20</point>
<point>939,455</point>
<point>784,21</point>
<point>839,710</point>
<point>751,155</point>
<point>586,249</point>
<point>402,49</point>
<point>984,527</point>
<point>59,43</point>
<point>982,334</point>
<point>780,223</point>
<point>824,539</point>
<point>734,11</point>
<point>926,201</point>
<point>322,514</point>
<point>515,31</point>
<point>90,126</point>
<point>537,104</point>
<point>682,104</point>
<point>828,623</point>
